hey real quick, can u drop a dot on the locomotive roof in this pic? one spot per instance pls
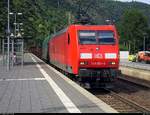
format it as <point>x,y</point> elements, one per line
<point>65,29</point>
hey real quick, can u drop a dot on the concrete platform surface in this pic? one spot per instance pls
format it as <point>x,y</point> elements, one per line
<point>136,65</point>
<point>38,88</point>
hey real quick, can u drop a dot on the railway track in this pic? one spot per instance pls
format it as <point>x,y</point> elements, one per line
<point>125,97</point>
<point>120,103</point>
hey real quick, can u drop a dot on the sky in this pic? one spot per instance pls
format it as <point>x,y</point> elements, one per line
<point>145,1</point>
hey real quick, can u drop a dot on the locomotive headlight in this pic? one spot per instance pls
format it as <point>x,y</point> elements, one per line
<point>112,63</point>
<point>83,63</point>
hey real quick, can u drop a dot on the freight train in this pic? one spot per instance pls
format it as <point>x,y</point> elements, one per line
<point>90,53</point>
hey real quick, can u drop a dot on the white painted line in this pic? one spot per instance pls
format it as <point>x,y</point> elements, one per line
<point>70,106</point>
<point>24,79</point>
<point>102,105</point>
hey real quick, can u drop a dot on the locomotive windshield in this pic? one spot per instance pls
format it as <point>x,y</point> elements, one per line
<point>96,37</point>
<point>87,37</point>
<point>105,37</point>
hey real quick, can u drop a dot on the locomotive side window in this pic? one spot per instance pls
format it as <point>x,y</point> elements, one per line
<point>105,37</point>
<point>68,39</point>
<point>96,37</point>
<point>87,37</point>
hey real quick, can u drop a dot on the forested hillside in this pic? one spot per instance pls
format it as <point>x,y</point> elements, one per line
<point>44,17</point>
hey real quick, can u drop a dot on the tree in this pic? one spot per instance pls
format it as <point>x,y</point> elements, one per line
<point>42,19</point>
<point>133,25</point>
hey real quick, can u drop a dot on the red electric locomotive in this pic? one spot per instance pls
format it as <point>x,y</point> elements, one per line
<point>89,52</point>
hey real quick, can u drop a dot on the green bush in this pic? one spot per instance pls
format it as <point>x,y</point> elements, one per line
<point>123,48</point>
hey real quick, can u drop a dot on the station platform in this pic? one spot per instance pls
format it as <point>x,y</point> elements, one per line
<point>136,65</point>
<point>36,87</point>
<point>136,72</point>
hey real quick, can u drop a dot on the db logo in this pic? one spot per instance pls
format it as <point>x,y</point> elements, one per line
<point>98,55</point>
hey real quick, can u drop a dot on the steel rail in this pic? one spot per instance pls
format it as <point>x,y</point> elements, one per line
<point>129,102</point>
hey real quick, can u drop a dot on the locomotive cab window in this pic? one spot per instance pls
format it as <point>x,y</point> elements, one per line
<point>87,37</point>
<point>96,37</point>
<point>68,39</point>
<point>106,37</point>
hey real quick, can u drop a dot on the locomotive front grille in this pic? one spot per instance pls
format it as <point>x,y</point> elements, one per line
<point>97,73</point>
<point>101,75</point>
<point>87,73</point>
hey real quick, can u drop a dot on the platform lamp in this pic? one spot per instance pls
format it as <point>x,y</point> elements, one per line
<point>18,30</point>
<point>8,35</point>
<point>22,30</point>
<point>19,35</point>
<point>11,35</point>
<point>15,23</point>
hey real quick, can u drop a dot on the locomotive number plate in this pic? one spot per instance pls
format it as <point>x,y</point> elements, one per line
<point>110,55</point>
<point>85,55</point>
<point>98,55</point>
